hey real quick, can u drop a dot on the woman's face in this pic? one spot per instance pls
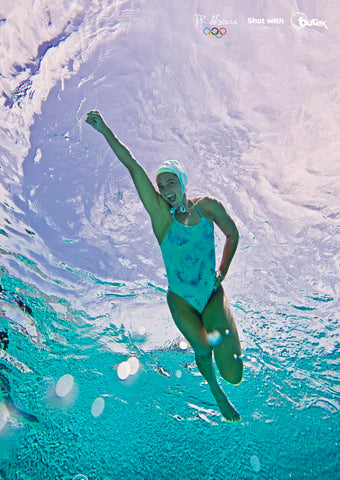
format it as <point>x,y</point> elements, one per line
<point>170,188</point>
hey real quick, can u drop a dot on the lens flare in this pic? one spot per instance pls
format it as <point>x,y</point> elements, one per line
<point>123,370</point>
<point>98,406</point>
<point>64,385</point>
<point>128,368</point>
<point>4,416</point>
<point>133,364</point>
<point>255,463</point>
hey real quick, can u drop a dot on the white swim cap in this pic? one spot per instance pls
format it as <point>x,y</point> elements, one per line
<point>173,166</point>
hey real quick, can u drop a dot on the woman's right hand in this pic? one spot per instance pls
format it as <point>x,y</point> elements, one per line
<point>95,120</point>
<point>219,277</point>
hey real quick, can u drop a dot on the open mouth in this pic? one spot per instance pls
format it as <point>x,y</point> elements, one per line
<point>171,198</point>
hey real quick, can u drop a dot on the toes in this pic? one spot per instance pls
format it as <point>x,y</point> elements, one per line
<point>236,418</point>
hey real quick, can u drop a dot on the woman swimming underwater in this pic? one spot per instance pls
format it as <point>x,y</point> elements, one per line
<point>185,232</point>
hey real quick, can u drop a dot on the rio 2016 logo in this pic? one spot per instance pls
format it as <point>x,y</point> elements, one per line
<point>214,32</point>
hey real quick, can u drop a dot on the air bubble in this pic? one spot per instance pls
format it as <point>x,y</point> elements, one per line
<point>139,335</point>
<point>214,338</point>
<point>141,331</point>
<point>178,373</point>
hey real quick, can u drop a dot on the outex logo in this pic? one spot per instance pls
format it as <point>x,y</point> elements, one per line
<point>300,20</point>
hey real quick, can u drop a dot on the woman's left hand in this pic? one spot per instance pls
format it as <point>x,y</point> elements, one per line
<point>220,276</point>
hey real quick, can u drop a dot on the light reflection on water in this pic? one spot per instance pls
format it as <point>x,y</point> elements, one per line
<point>253,120</point>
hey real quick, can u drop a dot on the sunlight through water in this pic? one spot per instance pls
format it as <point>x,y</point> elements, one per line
<point>95,378</point>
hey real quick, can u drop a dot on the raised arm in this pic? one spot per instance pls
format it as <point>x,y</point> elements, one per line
<point>146,191</point>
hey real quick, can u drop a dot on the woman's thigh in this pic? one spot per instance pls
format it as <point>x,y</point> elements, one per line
<point>189,322</point>
<point>217,315</point>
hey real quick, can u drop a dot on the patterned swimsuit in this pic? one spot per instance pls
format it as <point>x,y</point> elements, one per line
<point>189,258</point>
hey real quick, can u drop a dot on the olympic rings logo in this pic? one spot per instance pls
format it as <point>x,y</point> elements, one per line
<point>214,32</point>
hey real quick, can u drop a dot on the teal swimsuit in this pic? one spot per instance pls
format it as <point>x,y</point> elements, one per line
<point>189,258</point>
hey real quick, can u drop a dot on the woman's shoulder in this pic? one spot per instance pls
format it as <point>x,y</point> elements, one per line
<point>207,206</point>
<point>206,202</point>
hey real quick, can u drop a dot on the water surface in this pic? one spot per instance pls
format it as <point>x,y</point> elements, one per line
<point>254,118</point>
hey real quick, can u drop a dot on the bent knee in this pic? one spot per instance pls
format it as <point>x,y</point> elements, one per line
<point>234,374</point>
<point>237,378</point>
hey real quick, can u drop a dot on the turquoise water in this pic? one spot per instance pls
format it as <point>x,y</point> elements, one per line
<point>254,118</point>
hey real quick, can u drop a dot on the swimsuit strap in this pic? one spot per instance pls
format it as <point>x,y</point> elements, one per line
<point>203,217</point>
<point>199,211</point>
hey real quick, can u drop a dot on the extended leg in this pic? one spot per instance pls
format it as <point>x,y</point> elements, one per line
<point>206,367</point>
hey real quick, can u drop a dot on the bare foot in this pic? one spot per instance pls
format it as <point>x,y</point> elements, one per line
<point>228,411</point>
